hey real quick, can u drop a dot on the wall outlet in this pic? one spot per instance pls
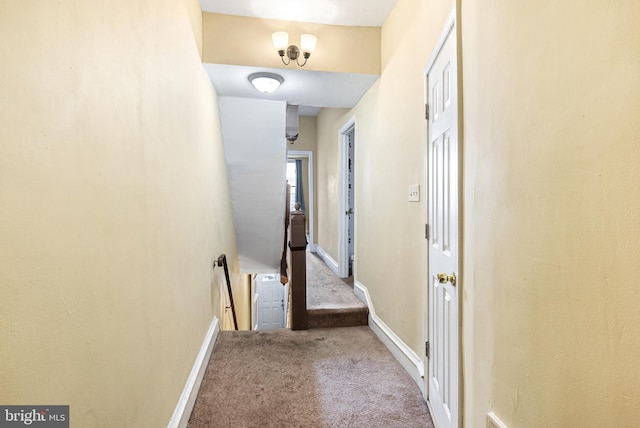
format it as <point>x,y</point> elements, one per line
<point>414,193</point>
<point>494,422</point>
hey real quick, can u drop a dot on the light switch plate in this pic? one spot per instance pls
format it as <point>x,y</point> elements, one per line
<point>414,193</point>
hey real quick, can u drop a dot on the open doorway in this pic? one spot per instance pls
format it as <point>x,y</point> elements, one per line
<point>346,226</point>
<point>300,177</point>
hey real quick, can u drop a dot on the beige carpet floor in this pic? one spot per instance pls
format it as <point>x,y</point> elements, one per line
<point>339,377</point>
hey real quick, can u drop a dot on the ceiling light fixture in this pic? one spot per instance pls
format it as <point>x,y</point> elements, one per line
<point>307,46</point>
<point>266,82</point>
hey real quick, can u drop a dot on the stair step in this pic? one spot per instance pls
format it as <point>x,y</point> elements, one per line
<point>343,317</point>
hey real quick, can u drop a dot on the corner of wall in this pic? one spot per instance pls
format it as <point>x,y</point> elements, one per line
<point>409,360</point>
<point>195,17</point>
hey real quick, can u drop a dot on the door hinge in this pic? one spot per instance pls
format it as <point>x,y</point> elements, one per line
<point>426,111</point>
<point>426,349</point>
<point>426,231</point>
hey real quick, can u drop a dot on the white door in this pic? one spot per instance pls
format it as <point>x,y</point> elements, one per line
<point>442,388</point>
<point>270,300</point>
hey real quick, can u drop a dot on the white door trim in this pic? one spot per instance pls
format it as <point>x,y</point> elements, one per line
<point>309,155</point>
<point>450,29</point>
<point>343,244</point>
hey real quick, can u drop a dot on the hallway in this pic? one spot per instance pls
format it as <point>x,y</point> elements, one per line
<point>115,202</point>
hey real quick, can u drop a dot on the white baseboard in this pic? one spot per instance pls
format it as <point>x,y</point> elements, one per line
<point>494,422</point>
<point>407,358</point>
<point>311,247</point>
<point>328,260</point>
<point>361,293</point>
<point>183,409</point>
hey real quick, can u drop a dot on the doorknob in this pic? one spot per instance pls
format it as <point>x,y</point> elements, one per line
<point>443,278</point>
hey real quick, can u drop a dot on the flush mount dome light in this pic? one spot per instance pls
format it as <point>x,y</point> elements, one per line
<point>266,82</point>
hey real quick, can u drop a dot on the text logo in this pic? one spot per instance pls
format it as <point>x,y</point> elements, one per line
<point>34,416</point>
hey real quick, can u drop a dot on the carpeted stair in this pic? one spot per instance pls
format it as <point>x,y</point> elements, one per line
<point>330,300</point>
<point>317,378</point>
<point>345,317</point>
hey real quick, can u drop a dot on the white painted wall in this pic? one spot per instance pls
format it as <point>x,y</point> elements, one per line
<point>256,156</point>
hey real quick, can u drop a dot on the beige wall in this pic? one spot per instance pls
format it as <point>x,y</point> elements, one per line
<point>307,134</point>
<point>113,206</point>
<point>390,156</point>
<point>247,41</point>
<point>552,99</point>
<point>307,141</point>
<point>329,122</point>
<point>242,301</point>
<point>195,15</point>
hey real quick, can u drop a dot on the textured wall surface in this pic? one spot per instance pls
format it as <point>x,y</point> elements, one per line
<point>330,121</point>
<point>308,141</point>
<point>113,206</point>
<point>390,156</point>
<point>552,98</point>
<point>339,49</point>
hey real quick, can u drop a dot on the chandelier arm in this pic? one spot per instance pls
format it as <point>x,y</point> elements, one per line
<point>301,65</point>
<point>285,63</point>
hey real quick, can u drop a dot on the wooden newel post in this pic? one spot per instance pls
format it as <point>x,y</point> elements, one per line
<point>298,247</point>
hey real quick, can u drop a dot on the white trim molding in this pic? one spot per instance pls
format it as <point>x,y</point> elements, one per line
<point>182,412</point>
<point>328,260</point>
<point>407,358</point>
<point>494,421</point>
<point>449,25</point>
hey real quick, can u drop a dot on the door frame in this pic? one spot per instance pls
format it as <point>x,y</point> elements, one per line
<point>451,28</point>
<point>343,223</point>
<point>308,154</point>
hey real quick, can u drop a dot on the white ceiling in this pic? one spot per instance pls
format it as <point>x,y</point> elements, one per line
<point>308,89</point>
<point>311,90</point>
<point>362,13</point>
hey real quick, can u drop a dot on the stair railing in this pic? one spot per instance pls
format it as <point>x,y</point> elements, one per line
<point>222,261</point>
